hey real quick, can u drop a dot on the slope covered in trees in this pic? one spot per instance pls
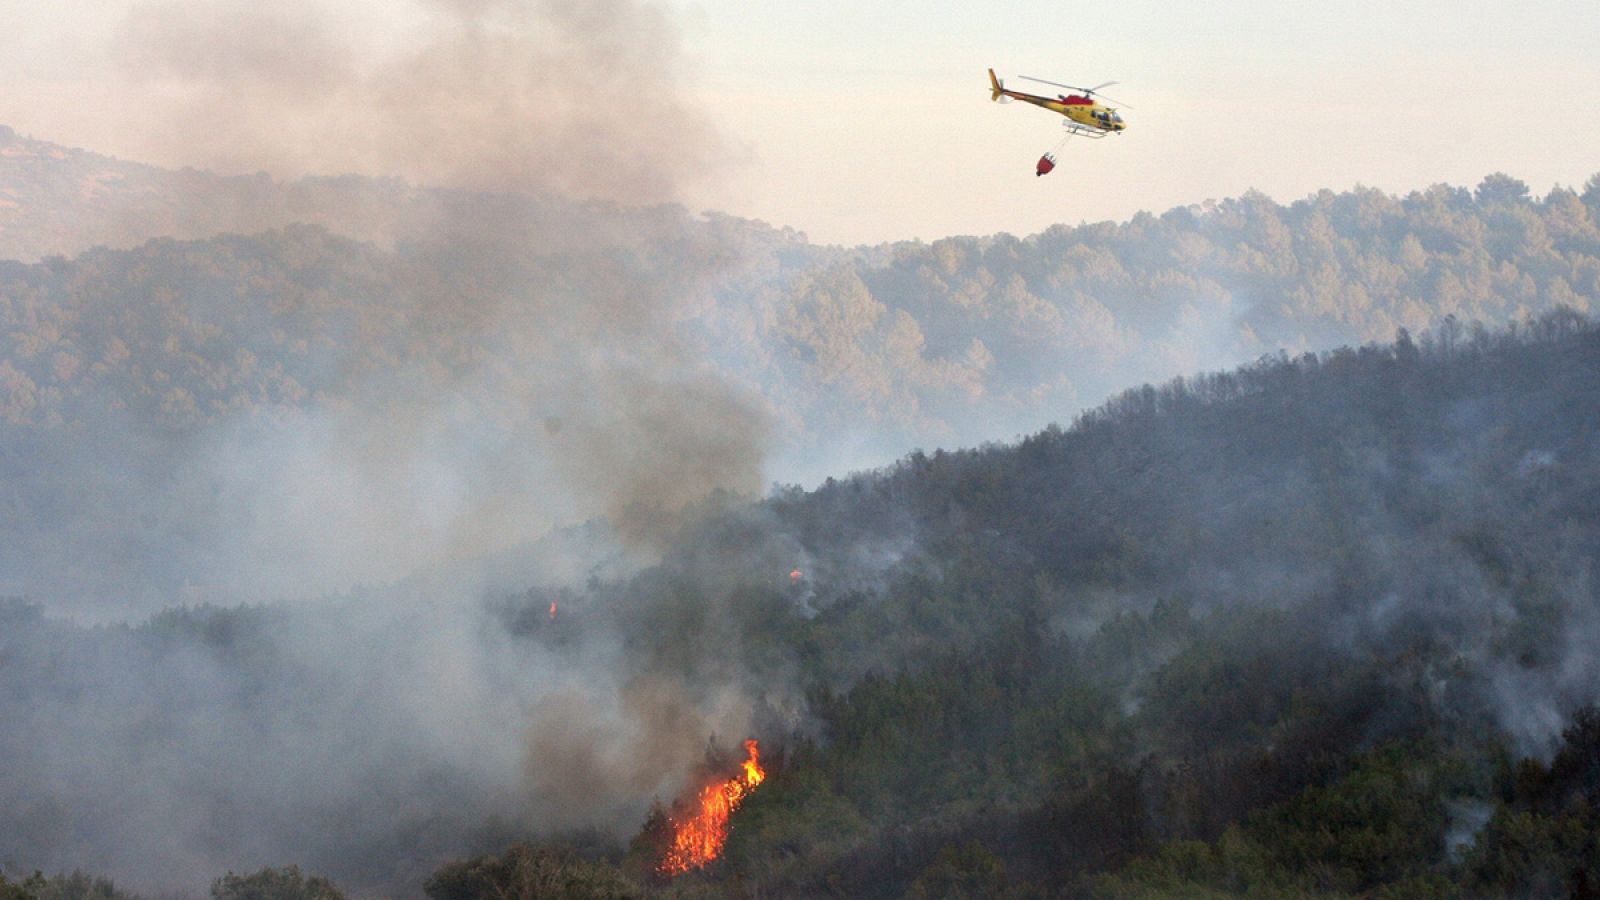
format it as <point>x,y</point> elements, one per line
<point>968,339</point>
<point>511,347</point>
<point>1319,625</point>
<point>941,344</point>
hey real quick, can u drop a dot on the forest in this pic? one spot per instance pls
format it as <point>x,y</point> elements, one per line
<point>359,538</point>
<point>209,384</point>
<point>1320,625</point>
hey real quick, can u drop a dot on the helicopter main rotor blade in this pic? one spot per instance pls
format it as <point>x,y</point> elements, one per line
<point>1056,83</point>
<point>1072,87</point>
<point>1112,100</point>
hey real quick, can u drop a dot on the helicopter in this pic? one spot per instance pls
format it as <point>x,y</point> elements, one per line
<point>1082,114</point>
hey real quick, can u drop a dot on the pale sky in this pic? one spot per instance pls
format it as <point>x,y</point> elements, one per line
<point>867,122</point>
<point>871,121</point>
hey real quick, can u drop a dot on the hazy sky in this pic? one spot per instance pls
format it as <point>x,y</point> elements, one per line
<point>859,122</point>
<point>872,121</point>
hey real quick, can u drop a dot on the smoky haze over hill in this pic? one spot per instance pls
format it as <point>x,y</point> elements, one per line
<point>433,375</point>
<point>319,412</point>
<point>322,412</point>
<point>375,400</point>
<point>1361,573</point>
<point>364,522</point>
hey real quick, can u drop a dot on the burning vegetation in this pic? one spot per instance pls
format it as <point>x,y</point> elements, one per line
<point>699,825</point>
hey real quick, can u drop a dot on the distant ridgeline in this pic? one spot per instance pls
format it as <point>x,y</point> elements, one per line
<point>1321,625</point>
<point>124,373</point>
<point>217,322</point>
<point>894,346</point>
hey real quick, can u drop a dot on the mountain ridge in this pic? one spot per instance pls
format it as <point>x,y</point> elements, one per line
<point>502,340</point>
<point>1317,625</point>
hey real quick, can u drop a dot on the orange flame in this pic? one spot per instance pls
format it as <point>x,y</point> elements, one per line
<point>697,838</point>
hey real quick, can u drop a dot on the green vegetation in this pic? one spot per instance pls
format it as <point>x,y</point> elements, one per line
<point>274,884</point>
<point>530,873</point>
<point>259,332</point>
<point>1274,632</point>
<point>1320,626</point>
<point>74,886</point>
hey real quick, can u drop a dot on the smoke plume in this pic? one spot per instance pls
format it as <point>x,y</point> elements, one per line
<point>509,362</point>
<point>577,97</point>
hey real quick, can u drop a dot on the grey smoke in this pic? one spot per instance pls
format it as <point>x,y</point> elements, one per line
<point>578,97</point>
<point>372,731</point>
<point>427,462</point>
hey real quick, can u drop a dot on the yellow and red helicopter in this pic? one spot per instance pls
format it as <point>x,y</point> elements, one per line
<point>1081,113</point>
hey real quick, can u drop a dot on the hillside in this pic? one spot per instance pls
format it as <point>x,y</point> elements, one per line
<point>58,201</point>
<point>1318,625</point>
<point>422,376</point>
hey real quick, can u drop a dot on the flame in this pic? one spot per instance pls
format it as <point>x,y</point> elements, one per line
<point>697,837</point>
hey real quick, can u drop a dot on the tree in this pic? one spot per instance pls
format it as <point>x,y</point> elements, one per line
<point>530,873</point>
<point>967,870</point>
<point>9,891</point>
<point>275,884</point>
<point>1591,190</point>
<point>1501,188</point>
<point>76,886</point>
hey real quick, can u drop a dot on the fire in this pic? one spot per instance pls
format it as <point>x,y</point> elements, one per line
<point>698,836</point>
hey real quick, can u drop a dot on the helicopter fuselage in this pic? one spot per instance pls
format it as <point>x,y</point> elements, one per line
<point>1084,115</point>
<point>1079,109</point>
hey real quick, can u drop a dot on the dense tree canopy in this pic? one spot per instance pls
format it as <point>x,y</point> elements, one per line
<point>498,339</point>
<point>1318,625</point>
